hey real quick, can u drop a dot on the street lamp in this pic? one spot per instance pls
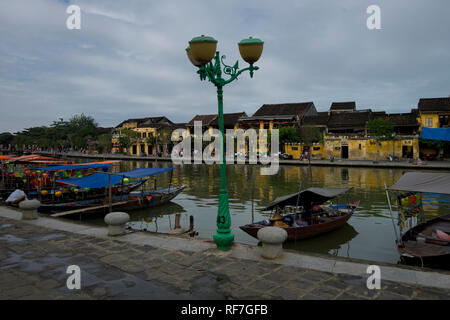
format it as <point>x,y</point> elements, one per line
<point>200,52</point>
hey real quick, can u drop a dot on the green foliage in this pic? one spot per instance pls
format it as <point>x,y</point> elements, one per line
<point>6,138</point>
<point>73,133</point>
<point>127,138</point>
<point>310,134</point>
<point>288,135</point>
<point>104,143</point>
<point>380,130</point>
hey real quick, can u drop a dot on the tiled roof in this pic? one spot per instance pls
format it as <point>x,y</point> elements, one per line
<point>339,106</point>
<point>434,105</point>
<point>321,119</point>
<point>400,119</point>
<point>229,119</point>
<point>355,120</point>
<point>299,109</point>
<point>141,122</point>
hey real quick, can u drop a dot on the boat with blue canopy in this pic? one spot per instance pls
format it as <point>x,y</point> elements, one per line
<point>112,184</point>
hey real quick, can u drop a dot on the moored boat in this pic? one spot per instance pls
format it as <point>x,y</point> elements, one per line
<point>305,216</point>
<point>417,239</point>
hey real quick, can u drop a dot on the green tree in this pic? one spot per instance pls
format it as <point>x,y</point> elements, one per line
<point>104,144</point>
<point>379,130</point>
<point>127,138</point>
<point>6,138</point>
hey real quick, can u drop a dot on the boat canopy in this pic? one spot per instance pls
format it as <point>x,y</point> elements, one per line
<point>77,167</point>
<point>307,196</point>
<point>101,180</point>
<point>94,181</point>
<point>428,182</point>
<point>143,172</point>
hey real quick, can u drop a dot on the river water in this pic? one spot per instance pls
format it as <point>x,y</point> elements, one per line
<point>369,234</point>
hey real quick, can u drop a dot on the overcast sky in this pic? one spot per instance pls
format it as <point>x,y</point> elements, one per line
<point>128,60</point>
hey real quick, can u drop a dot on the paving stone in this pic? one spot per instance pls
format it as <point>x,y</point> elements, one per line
<point>112,269</point>
<point>384,295</point>
<point>326,292</point>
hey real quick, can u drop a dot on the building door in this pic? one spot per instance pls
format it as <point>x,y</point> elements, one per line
<point>344,152</point>
<point>134,151</point>
<point>407,152</point>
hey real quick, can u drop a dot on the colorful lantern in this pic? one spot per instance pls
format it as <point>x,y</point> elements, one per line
<point>413,199</point>
<point>404,202</point>
<point>28,172</point>
<point>44,193</point>
<point>126,180</point>
<point>24,180</point>
<point>58,194</point>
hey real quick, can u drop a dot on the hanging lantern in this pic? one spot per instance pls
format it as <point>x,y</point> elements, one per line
<point>45,175</point>
<point>404,202</point>
<point>28,172</point>
<point>58,194</point>
<point>44,193</point>
<point>67,174</point>
<point>87,189</point>
<point>79,175</point>
<point>39,172</point>
<point>413,199</point>
<point>65,190</point>
<point>126,180</point>
<point>24,180</point>
<point>409,200</point>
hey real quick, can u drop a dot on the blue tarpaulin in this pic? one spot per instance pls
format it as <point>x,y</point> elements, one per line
<point>77,167</point>
<point>442,134</point>
<point>95,181</point>
<point>144,172</point>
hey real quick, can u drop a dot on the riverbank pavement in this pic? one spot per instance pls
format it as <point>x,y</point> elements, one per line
<point>35,256</point>
<point>424,165</point>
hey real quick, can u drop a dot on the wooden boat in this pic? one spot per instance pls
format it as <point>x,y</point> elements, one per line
<point>133,201</point>
<point>324,218</point>
<point>416,239</point>
<point>130,201</point>
<point>421,242</point>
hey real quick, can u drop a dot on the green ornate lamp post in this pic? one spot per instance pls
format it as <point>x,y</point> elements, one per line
<point>200,52</point>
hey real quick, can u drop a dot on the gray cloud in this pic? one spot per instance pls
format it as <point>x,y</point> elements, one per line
<point>128,60</point>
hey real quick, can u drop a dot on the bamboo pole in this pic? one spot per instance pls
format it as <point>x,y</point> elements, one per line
<point>392,216</point>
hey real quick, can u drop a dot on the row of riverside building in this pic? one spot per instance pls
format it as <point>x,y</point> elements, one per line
<point>342,127</point>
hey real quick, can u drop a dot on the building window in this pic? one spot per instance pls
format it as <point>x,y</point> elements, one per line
<point>294,148</point>
<point>429,122</point>
<point>316,148</point>
<point>360,146</point>
<point>144,135</point>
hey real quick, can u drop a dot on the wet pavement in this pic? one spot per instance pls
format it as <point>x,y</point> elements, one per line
<point>34,261</point>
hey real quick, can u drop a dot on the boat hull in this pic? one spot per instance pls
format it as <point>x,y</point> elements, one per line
<point>299,233</point>
<point>130,202</point>
<point>430,249</point>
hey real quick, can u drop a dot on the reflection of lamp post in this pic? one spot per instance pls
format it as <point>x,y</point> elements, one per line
<point>200,52</point>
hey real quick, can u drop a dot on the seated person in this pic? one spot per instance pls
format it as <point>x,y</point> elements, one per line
<point>17,196</point>
<point>277,220</point>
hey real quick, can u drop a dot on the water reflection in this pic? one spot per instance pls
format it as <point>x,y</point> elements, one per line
<point>368,234</point>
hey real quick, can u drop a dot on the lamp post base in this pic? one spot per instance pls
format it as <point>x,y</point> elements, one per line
<point>223,240</point>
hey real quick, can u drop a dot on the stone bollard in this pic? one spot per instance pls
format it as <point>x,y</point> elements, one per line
<point>272,239</point>
<point>29,209</point>
<point>116,223</point>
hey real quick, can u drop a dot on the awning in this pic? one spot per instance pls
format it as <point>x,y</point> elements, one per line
<point>314,195</point>
<point>143,172</point>
<point>442,134</point>
<point>429,182</point>
<point>94,181</point>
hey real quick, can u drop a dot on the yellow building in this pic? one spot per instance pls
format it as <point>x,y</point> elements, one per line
<point>145,128</point>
